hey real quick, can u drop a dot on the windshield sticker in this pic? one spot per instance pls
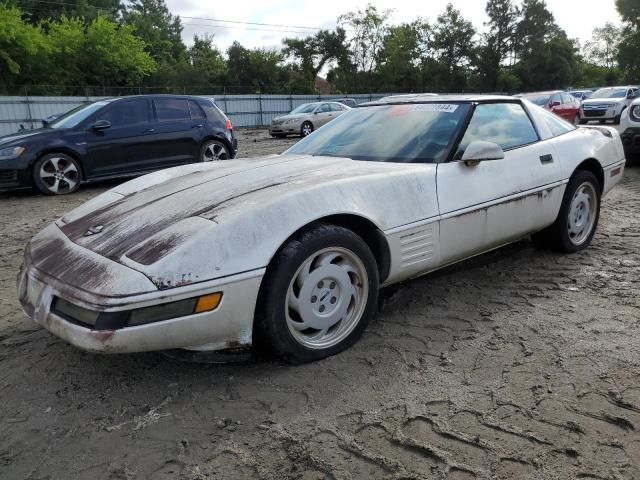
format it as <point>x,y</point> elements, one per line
<point>435,107</point>
<point>398,110</point>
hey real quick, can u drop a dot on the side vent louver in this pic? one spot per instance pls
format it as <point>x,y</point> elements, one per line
<point>416,246</point>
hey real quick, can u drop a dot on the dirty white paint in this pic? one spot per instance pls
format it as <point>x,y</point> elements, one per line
<point>216,226</point>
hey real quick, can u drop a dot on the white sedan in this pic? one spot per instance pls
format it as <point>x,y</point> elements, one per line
<point>289,251</point>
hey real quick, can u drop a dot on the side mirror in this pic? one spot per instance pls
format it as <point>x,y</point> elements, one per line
<point>631,95</point>
<point>555,104</point>
<point>480,151</point>
<point>101,125</point>
<point>316,112</point>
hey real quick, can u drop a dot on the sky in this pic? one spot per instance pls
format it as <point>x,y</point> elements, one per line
<point>577,17</point>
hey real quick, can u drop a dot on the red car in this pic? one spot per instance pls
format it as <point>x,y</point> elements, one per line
<point>561,103</point>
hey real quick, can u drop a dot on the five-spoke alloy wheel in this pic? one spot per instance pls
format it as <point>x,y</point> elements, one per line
<point>214,150</point>
<point>57,174</point>
<point>318,295</point>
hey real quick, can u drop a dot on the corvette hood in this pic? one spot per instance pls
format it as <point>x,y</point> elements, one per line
<point>175,205</point>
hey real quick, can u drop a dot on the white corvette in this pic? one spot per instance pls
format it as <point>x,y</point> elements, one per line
<point>289,251</point>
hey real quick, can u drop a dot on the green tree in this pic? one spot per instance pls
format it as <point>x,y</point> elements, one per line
<point>310,54</point>
<point>629,48</point>
<point>261,68</point>
<point>19,43</point>
<point>368,29</point>
<point>161,31</point>
<point>452,47</point>
<point>399,58</point>
<point>113,55</point>
<point>205,62</point>
<point>56,9</point>
<point>535,26</point>
<point>604,45</point>
<point>546,57</point>
<point>498,43</point>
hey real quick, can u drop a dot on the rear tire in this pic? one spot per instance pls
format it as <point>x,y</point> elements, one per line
<point>213,151</point>
<point>578,218</point>
<point>318,295</point>
<point>57,174</point>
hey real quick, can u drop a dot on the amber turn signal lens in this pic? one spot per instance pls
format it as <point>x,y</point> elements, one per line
<point>209,302</point>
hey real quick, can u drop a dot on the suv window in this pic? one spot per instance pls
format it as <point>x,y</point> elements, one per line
<point>506,124</point>
<point>196,111</point>
<point>170,109</point>
<point>127,112</point>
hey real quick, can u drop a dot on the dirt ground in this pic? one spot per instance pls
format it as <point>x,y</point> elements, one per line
<point>519,364</point>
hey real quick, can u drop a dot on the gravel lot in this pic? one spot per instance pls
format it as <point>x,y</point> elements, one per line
<point>518,364</point>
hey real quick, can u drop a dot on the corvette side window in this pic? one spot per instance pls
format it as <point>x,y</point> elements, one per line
<point>557,125</point>
<point>505,124</point>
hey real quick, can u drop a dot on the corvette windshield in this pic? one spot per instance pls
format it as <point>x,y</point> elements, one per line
<point>305,108</point>
<point>610,93</point>
<point>77,115</point>
<point>389,133</point>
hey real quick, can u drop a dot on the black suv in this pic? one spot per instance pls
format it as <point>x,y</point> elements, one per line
<point>117,137</point>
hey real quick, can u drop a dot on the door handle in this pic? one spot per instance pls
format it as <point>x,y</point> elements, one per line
<point>149,130</point>
<point>199,125</point>
<point>544,159</point>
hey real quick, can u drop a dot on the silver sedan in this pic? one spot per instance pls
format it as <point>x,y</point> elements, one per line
<point>304,119</point>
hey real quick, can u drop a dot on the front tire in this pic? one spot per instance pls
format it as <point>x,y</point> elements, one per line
<point>306,129</point>
<point>577,221</point>
<point>57,174</point>
<point>318,295</point>
<point>214,150</point>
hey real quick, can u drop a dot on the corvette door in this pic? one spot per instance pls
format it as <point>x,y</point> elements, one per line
<point>489,204</point>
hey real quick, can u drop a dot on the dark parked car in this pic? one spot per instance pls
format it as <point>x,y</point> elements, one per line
<point>349,102</point>
<point>117,137</point>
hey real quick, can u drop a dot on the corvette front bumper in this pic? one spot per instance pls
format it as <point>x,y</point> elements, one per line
<point>229,326</point>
